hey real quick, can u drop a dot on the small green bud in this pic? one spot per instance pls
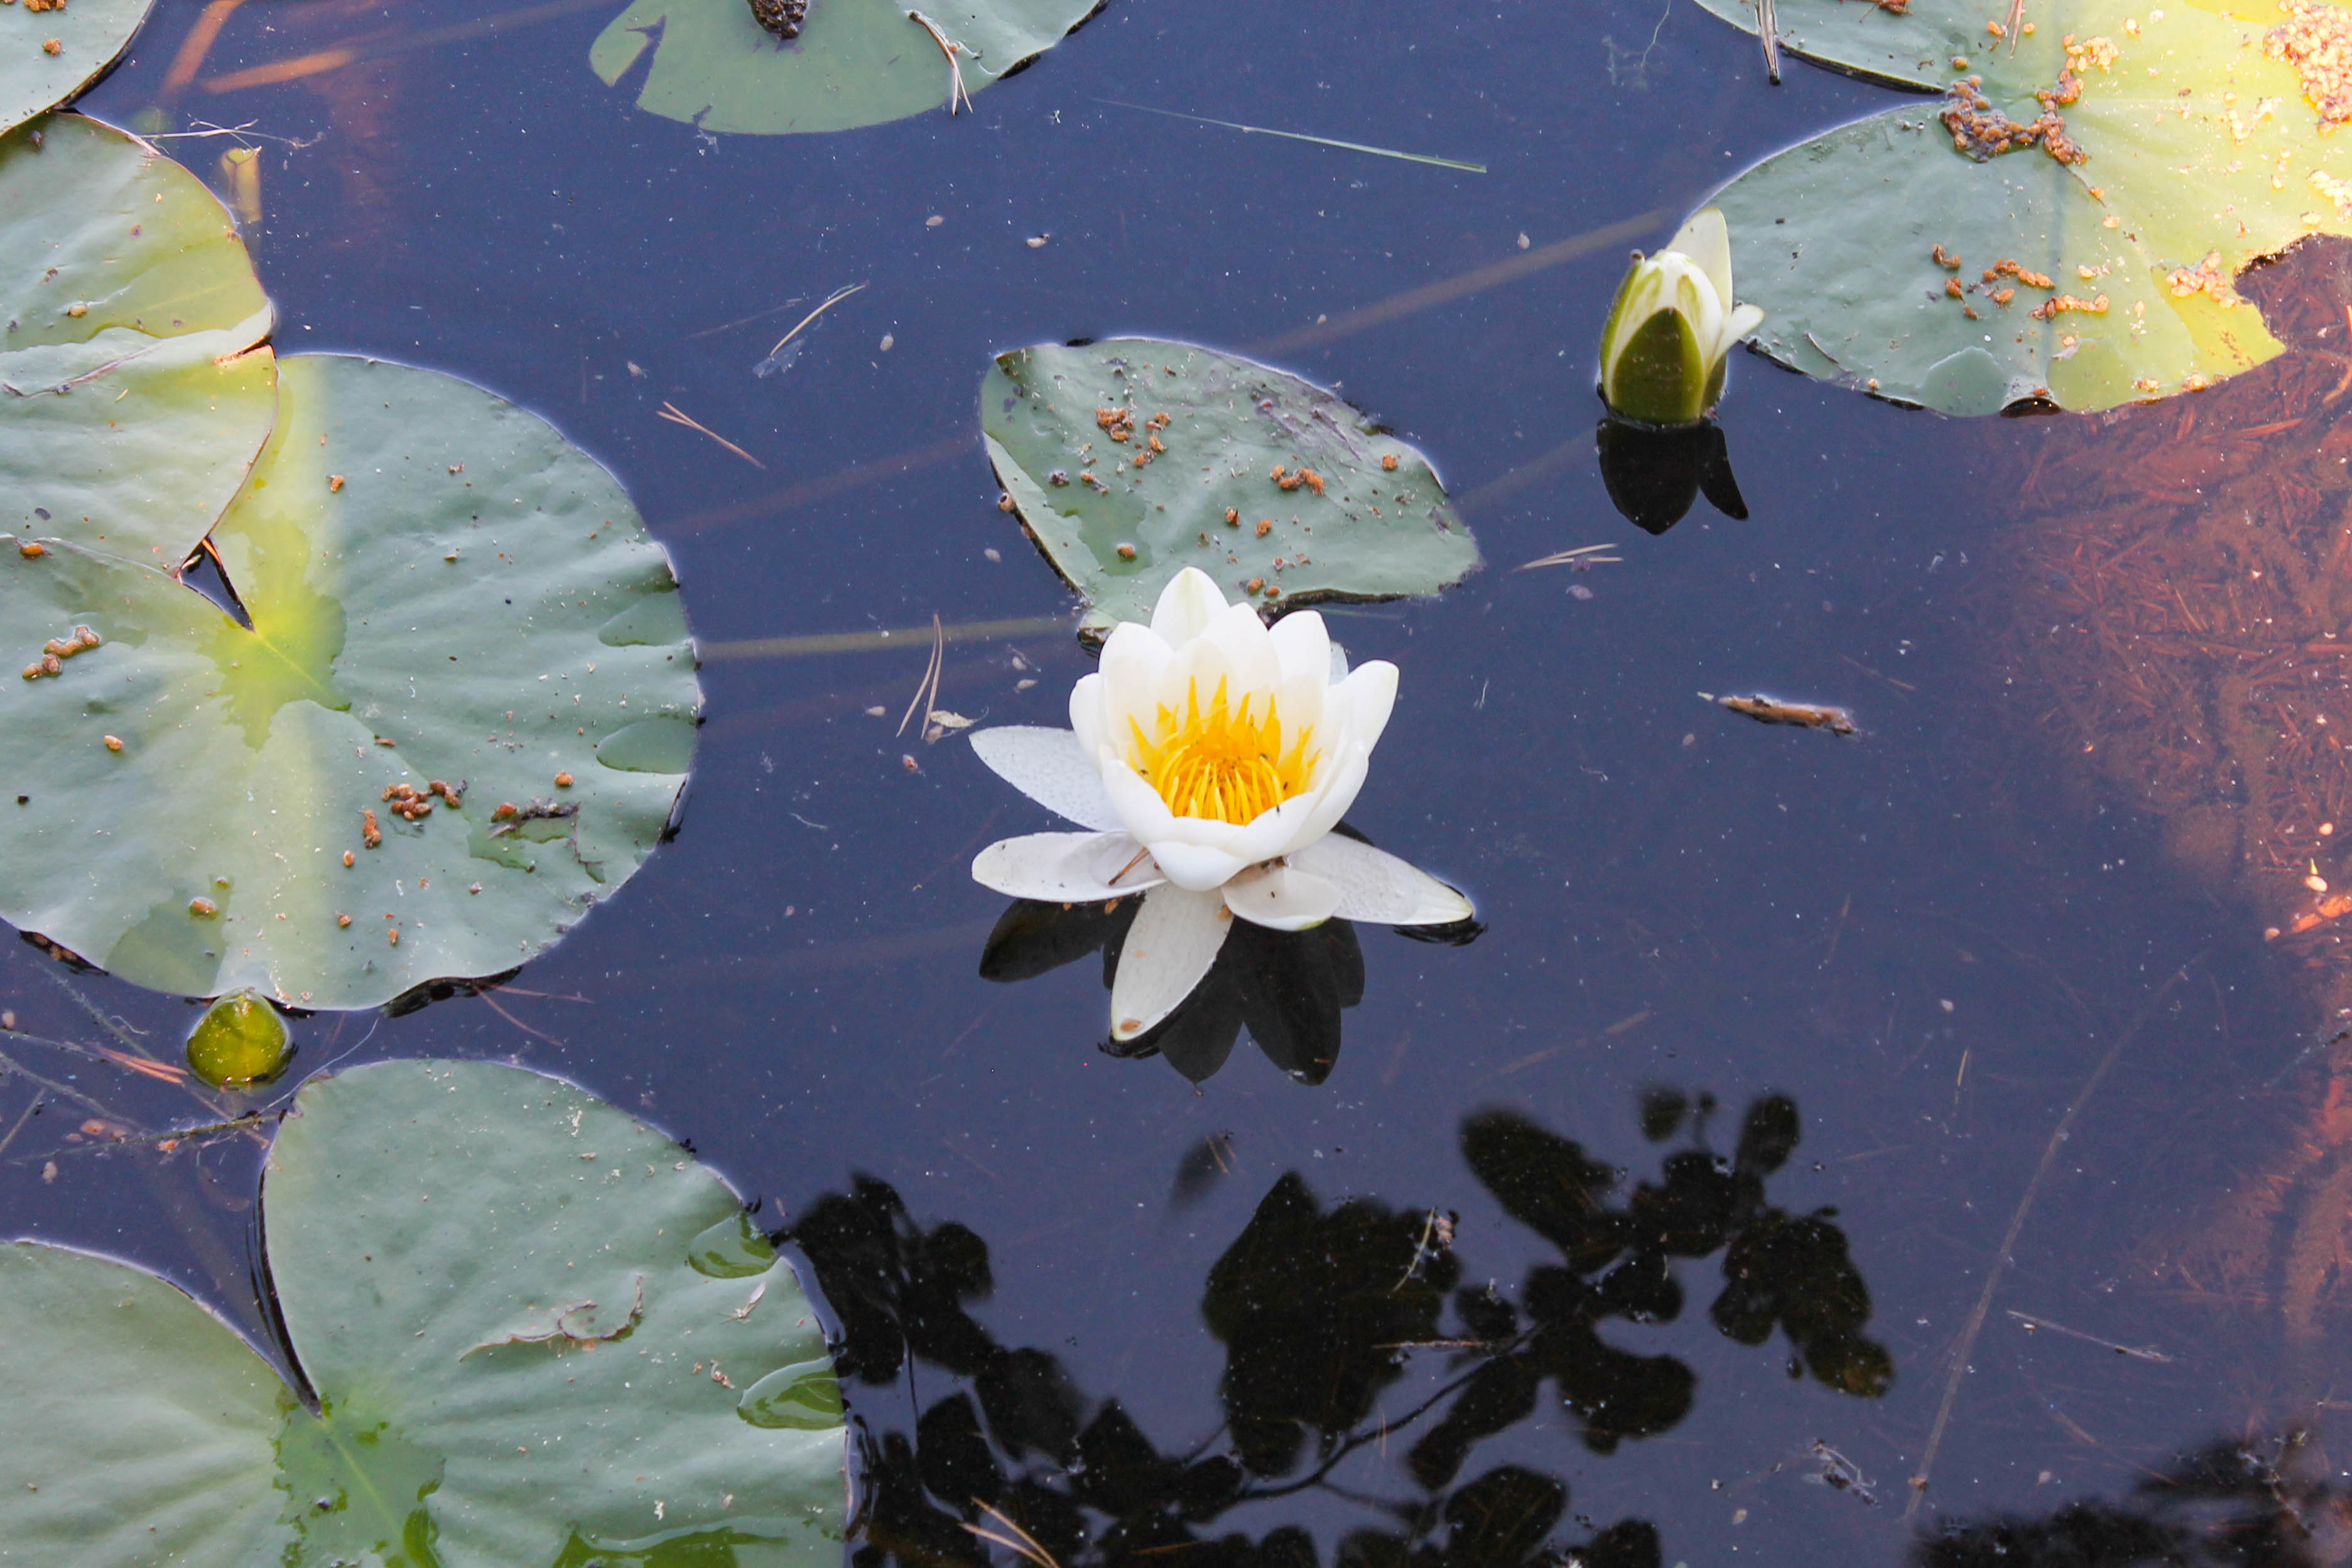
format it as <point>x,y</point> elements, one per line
<point>239,1044</point>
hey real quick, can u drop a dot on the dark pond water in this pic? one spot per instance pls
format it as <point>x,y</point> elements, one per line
<point>1910,951</point>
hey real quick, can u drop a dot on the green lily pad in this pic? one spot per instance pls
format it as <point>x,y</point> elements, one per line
<point>89,34</point>
<point>2200,155</point>
<point>1911,47</point>
<point>440,588</point>
<point>134,388</point>
<point>486,1281</point>
<point>856,62</point>
<point>1066,427</point>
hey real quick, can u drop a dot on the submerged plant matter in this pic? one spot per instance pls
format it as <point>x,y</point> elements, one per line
<point>239,1044</point>
<point>1130,459</point>
<point>2066,226</point>
<point>1210,758</point>
<point>1671,329</point>
<point>2175,595</point>
<point>526,1329</point>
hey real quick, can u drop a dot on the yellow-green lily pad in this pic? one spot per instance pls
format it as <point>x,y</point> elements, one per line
<point>135,387</point>
<point>855,62</point>
<point>2079,270</point>
<point>446,598</point>
<point>1129,459</point>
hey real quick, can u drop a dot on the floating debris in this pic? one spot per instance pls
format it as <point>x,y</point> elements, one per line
<point>1772,710</point>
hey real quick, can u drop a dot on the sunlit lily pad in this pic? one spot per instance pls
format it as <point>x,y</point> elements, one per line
<point>856,62</point>
<point>87,36</point>
<point>133,394</point>
<point>2111,274</point>
<point>1126,458</point>
<point>489,1282</point>
<point>441,588</point>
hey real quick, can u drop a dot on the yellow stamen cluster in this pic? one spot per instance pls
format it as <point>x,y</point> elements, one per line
<point>1223,764</point>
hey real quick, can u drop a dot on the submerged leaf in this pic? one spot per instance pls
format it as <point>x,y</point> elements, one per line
<point>1130,459</point>
<point>485,1279</point>
<point>134,386</point>
<point>399,772</point>
<point>852,62</point>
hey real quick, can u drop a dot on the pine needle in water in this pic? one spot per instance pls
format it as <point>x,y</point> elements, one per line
<point>777,360</point>
<point>676,415</point>
<point>1302,136</point>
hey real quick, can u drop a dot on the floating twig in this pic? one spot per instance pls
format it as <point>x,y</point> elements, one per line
<point>1773,710</point>
<point>2136,1352</point>
<point>1768,26</point>
<point>951,49</point>
<point>1302,136</point>
<point>927,690</point>
<point>676,415</point>
<point>836,297</point>
<point>1581,556</point>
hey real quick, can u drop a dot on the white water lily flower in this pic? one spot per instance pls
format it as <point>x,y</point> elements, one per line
<point>1673,327</point>
<point>1210,758</point>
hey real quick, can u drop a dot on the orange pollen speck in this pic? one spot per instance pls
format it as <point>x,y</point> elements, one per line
<point>1226,763</point>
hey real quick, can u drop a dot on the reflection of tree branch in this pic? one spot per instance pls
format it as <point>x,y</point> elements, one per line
<point>1318,1311</point>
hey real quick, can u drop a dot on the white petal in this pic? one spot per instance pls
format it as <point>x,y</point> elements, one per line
<point>1047,765</point>
<point>1281,897</point>
<point>1374,884</point>
<point>1706,240</point>
<point>1339,671</point>
<point>1066,868</point>
<point>1744,320</point>
<point>1197,867</point>
<point>1369,692</point>
<point>1303,645</point>
<point>1187,605</point>
<point>1170,947</point>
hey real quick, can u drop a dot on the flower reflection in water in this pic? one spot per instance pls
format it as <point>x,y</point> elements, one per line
<point>1210,758</point>
<point>1345,1330</point>
<point>1286,988</point>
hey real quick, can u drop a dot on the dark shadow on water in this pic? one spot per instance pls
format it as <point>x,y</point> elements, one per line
<point>1344,1328</point>
<point>2262,1503</point>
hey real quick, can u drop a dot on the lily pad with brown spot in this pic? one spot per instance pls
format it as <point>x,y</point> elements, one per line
<point>1132,458</point>
<point>2190,152</point>
<point>446,598</point>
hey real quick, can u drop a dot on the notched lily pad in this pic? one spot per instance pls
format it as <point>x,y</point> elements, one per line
<point>855,62</point>
<point>2151,155</point>
<point>49,54</point>
<point>398,773</point>
<point>484,1277</point>
<point>1130,459</point>
<point>135,389</point>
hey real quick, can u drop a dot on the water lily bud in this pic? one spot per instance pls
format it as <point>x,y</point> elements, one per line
<point>1672,328</point>
<point>239,1042</point>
